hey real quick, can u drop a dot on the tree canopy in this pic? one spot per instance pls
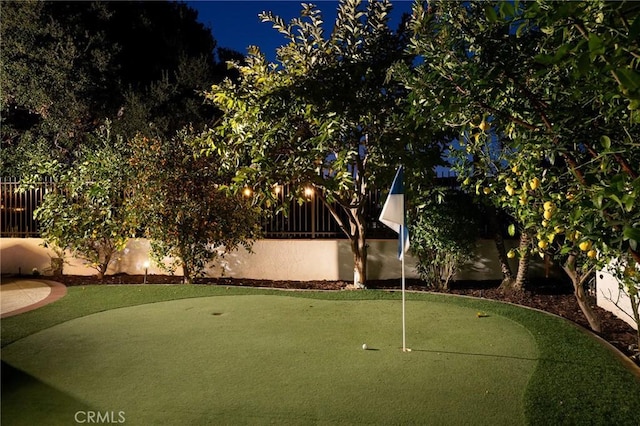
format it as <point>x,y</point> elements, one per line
<point>177,203</point>
<point>68,66</point>
<point>326,116</point>
<point>544,96</point>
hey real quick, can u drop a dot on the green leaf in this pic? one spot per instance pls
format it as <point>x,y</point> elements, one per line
<point>492,16</point>
<point>634,31</point>
<point>507,9</point>
<point>629,78</point>
<point>631,233</point>
<point>605,141</point>
<point>512,230</point>
<point>584,64</point>
<point>596,48</point>
<point>599,199</point>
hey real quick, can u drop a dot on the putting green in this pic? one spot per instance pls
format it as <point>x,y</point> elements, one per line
<point>273,359</point>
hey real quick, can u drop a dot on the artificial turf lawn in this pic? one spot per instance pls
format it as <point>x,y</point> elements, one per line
<point>298,360</point>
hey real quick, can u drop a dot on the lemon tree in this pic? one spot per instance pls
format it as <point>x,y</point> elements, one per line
<point>557,85</point>
<point>85,212</point>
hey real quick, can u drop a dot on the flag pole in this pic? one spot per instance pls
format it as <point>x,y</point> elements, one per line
<point>404,334</point>
<point>393,215</point>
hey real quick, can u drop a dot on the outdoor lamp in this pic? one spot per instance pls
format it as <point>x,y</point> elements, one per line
<point>308,191</point>
<point>146,270</point>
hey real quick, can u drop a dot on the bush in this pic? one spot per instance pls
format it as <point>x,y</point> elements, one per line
<point>444,232</point>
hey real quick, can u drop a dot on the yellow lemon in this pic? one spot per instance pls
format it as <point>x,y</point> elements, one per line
<point>484,126</point>
<point>543,244</point>
<point>585,245</point>
<point>592,254</point>
<point>547,214</point>
<point>487,190</point>
<point>548,205</point>
<point>535,183</point>
<point>511,254</point>
<point>510,189</point>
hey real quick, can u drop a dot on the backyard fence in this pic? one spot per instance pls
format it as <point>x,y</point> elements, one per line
<point>16,208</point>
<point>310,219</point>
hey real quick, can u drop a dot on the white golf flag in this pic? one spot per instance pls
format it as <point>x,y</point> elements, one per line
<point>393,213</point>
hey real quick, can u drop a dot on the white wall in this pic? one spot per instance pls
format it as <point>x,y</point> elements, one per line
<point>612,298</point>
<point>300,260</point>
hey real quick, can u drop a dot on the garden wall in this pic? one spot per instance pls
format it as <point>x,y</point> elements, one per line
<point>273,259</point>
<point>612,298</point>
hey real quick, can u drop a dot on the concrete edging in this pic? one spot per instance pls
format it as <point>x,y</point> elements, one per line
<point>58,290</point>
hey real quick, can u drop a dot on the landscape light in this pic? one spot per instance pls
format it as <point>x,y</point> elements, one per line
<point>146,270</point>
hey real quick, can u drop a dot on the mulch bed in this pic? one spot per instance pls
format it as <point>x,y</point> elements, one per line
<point>545,295</point>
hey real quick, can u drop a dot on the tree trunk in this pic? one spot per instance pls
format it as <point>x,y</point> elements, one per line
<point>577,280</point>
<point>523,263</point>
<point>102,269</point>
<point>186,274</point>
<point>106,251</point>
<point>507,274</point>
<point>633,298</point>
<point>359,248</point>
<point>356,232</point>
<point>57,265</point>
<point>520,281</point>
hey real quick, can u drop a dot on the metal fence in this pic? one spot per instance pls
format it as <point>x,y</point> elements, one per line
<point>16,208</point>
<point>310,219</point>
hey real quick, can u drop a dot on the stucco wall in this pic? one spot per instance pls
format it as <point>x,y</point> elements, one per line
<point>612,298</point>
<point>301,260</point>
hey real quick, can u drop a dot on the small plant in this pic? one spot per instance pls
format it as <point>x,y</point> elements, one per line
<point>444,231</point>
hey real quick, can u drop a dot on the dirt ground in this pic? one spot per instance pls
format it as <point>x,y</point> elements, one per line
<point>544,295</point>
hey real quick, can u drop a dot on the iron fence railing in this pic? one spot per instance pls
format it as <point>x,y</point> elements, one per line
<point>16,208</point>
<point>310,219</point>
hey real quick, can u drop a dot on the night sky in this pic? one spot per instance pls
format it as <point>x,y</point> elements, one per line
<point>235,24</point>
